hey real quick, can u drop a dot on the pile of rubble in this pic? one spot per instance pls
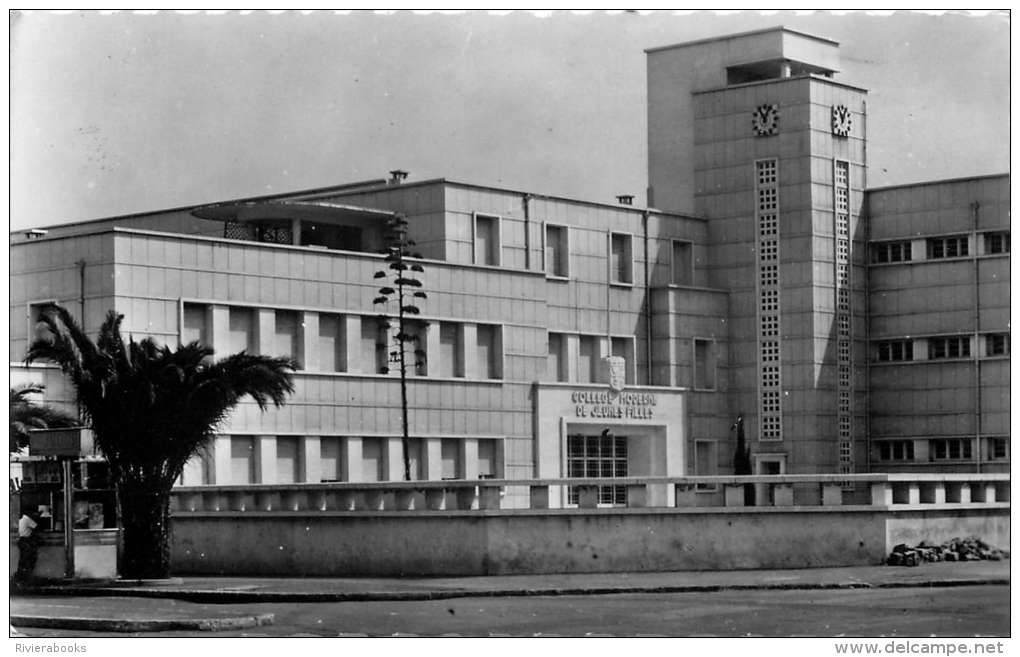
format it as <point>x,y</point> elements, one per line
<point>957,549</point>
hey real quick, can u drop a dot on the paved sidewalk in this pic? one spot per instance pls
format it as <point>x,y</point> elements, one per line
<point>204,602</point>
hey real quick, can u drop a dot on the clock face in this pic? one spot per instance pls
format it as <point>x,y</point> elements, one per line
<point>841,120</point>
<point>765,120</point>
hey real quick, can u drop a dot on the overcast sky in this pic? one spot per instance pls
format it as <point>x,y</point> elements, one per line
<point>116,114</point>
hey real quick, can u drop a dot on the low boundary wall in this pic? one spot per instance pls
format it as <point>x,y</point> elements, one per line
<point>512,542</point>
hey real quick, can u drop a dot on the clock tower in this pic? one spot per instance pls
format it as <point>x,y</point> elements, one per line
<point>753,132</point>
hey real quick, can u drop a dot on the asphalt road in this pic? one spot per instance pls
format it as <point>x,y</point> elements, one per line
<point>908,612</point>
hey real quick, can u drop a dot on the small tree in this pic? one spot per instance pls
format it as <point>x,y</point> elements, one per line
<point>151,408</point>
<point>742,459</point>
<point>405,291</point>
<point>26,415</point>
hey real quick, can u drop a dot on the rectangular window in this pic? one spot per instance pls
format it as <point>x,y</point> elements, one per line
<point>195,327</point>
<point>704,364</point>
<point>373,462</point>
<point>706,462</point>
<point>557,253</point>
<point>331,343</point>
<point>998,449</point>
<point>450,362</point>
<point>330,458</point>
<point>996,243</point>
<point>997,344</point>
<point>487,465</point>
<point>891,252</point>
<point>587,359</point>
<point>288,461</point>
<point>683,263</point>
<point>950,449</point>
<point>285,342</point>
<point>621,258</point>
<point>489,356</point>
<point>768,199</point>
<point>487,246</point>
<point>451,456</point>
<point>242,331</point>
<point>949,347</point>
<point>771,427</point>
<point>895,350</point>
<point>242,460</point>
<point>374,346</point>
<point>556,366</point>
<point>948,247</point>
<point>598,456</point>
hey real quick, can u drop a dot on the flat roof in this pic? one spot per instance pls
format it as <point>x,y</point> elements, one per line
<point>778,28</point>
<point>944,181</point>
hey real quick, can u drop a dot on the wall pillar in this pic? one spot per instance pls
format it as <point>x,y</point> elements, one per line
<point>311,464</point>
<point>218,330</point>
<point>467,453</point>
<point>352,345</point>
<point>265,331</point>
<point>265,459</point>
<point>394,459</point>
<point>351,459</point>
<point>432,458</point>
<point>469,345</point>
<point>221,461</point>
<point>308,342</point>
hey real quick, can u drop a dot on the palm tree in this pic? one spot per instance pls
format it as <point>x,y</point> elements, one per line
<point>26,415</point>
<point>151,408</point>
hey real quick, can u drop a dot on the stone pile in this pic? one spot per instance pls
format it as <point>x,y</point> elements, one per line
<point>957,549</point>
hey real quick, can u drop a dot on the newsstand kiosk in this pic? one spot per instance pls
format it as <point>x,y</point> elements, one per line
<point>70,487</point>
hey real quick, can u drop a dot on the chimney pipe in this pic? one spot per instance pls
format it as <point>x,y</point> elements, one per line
<point>397,176</point>
<point>625,199</point>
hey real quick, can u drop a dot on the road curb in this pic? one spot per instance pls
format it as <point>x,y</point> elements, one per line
<point>213,596</point>
<point>149,625</point>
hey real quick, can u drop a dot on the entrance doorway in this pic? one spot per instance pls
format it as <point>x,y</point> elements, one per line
<point>600,455</point>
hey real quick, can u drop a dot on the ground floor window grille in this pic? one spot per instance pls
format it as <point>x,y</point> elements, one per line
<point>598,456</point>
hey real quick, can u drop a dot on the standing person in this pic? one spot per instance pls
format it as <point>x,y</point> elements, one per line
<point>27,542</point>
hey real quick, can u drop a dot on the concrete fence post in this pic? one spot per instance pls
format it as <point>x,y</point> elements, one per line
<point>404,499</point>
<point>466,497</point>
<point>832,494</point>
<point>734,494</point>
<point>539,496</point>
<point>435,499</point>
<point>686,495</point>
<point>783,494</point>
<point>881,494</point>
<point>637,496</point>
<point>489,498</point>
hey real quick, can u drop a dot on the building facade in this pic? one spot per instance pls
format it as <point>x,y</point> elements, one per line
<point>571,338</point>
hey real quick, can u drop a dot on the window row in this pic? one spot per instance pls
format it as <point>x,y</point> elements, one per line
<point>242,459</point>
<point>557,252</point>
<point>940,449</point>
<point>582,358</point>
<point>326,342</point>
<point>935,248</point>
<point>941,347</point>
